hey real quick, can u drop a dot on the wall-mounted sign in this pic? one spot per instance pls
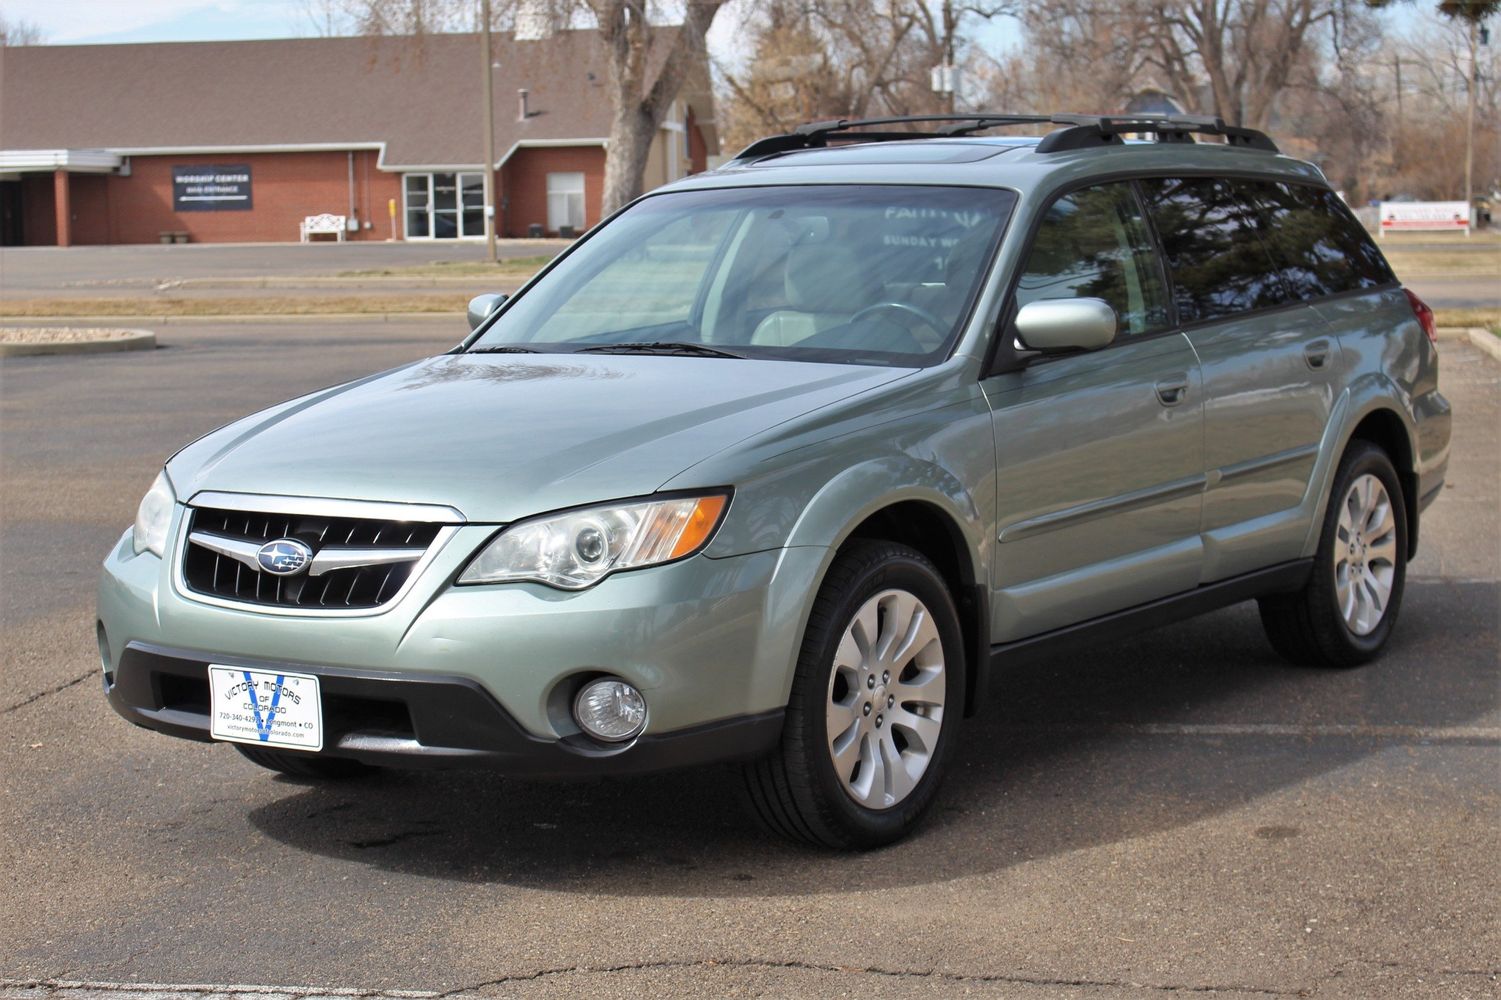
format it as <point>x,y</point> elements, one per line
<point>1420,216</point>
<point>211,188</point>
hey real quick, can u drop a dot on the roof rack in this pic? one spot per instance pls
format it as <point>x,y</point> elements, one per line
<point>1083,132</point>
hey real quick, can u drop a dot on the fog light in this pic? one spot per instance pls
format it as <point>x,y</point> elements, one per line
<point>610,710</point>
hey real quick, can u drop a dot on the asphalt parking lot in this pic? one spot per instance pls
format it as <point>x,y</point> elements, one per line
<point>1176,814</point>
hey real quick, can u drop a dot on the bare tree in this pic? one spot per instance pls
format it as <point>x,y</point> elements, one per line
<point>846,59</point>
<point>1246,50</point>
<point>645,78</point>
<point>19,32</point>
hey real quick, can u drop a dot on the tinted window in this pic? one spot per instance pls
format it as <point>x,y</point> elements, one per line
<point>1322,250</point>
<point>1219,263</point>
<point>1094,243</point>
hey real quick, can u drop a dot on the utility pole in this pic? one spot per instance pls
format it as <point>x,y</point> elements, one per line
<point>948,52</point>
<point>1470,122</point>
<point>489,103</point>
<point>1397,146</point>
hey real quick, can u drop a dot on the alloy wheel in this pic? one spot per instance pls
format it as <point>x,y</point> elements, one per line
<point>1365,554</point>
<point>885,699</point>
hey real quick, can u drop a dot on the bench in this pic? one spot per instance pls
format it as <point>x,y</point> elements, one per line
<point>173,236</point>
<point>323,225</point>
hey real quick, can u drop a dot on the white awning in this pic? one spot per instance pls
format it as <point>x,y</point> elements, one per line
<point>95,161</point>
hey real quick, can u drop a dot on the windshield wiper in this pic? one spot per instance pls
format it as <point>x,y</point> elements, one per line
<point>661,347</point>
<point>502,349</point>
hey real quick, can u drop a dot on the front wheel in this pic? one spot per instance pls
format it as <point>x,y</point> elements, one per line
<point>1345,613</point>
<point>877,694</point>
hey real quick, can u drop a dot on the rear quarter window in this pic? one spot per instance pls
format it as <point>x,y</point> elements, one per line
<point>1320,247</point>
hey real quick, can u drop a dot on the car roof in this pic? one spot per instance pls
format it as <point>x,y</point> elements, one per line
<point>1012,162</point>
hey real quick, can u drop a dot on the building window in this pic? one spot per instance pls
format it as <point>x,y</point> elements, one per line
<point>565,201</point>
<point>445,206</point>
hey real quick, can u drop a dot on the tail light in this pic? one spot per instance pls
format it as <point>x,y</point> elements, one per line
<point>1424,314</point>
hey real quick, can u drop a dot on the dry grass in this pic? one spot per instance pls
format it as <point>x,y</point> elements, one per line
<point>1488,319</point>
<point>1483,262</point>
<point>309,305</point>
<point>514,269</point>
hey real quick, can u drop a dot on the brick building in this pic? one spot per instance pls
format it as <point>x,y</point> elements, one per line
<point>240,141</point>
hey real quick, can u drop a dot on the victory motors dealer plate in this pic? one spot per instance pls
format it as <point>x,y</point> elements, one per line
<point>266,707</point>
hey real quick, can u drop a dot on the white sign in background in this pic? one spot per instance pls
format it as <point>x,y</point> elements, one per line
<point>1424,216</point>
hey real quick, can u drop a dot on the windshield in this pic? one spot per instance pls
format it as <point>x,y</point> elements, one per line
<point>855,274</point>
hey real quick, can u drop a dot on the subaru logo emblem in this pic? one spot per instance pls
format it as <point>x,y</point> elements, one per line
<point>284,557</point>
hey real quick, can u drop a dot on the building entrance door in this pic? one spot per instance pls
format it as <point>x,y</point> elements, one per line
<point>445,206</point>
<point>11,233</point>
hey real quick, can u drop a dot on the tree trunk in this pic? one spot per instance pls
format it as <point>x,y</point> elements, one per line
<point>640,102</point>
<point>631,132</point>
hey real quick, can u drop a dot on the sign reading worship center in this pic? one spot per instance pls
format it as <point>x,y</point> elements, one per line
<point>211,188</point>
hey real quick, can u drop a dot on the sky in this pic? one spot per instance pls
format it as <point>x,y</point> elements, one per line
<point>81,22</point>
<point>84,22</point>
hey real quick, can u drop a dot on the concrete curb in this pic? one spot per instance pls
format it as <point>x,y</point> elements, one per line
<point>139,340</point>
<point>250,318</point>
<point>335,281</point>
<point>1488,342</point>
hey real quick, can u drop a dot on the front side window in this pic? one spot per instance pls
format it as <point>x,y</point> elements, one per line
<point>1209,233</point>
<point>844,273</point>
<point>1094,243</point>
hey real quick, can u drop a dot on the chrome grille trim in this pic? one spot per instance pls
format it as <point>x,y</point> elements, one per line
<point>325,561</point>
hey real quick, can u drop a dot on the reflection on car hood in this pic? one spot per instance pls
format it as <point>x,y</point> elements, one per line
<point>503,436</point>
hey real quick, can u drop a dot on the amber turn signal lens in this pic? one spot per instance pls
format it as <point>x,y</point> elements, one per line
<point>700,523</point>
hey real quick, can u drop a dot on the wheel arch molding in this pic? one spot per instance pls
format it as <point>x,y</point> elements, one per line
<point>1370,410</point>
<point>879,501</point>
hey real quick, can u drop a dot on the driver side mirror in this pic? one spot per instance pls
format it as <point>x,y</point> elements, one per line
<point>482,307</point>
<point>1050,325</point>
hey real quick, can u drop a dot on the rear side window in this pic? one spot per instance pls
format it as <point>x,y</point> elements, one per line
<point>1322,250</point>
<point>1094,243</point>
<point>1209,233</point>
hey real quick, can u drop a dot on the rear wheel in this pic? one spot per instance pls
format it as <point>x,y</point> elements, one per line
<point>304,765</point>
<point>878,691</point>
<point>1345,613</point>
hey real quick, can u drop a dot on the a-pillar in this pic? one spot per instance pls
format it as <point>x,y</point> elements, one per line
<point>64,208</point>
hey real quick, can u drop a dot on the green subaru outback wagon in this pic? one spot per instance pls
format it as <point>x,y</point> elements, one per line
<point>780,462</point>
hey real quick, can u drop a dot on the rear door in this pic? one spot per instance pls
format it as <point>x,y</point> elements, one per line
<point>1267,355</point>
<point>1099,453</point>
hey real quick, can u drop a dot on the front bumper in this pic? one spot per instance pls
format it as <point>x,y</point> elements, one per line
<point>420,721</point>
<point>710,642</point>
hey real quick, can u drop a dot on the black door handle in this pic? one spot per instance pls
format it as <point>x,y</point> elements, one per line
<point>1316,354</point>
<point>1172,390</point>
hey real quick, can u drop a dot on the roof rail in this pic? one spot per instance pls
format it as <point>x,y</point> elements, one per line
<point>1084,131</point>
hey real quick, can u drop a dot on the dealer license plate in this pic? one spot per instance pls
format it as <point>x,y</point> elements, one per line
<point>265,707</point>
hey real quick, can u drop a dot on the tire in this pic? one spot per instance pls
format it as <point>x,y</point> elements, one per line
<point>305,765</point>
<point>1331,622</point>
<point>893,756</point>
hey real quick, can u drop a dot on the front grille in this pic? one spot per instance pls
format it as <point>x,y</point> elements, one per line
<point>219,558</point>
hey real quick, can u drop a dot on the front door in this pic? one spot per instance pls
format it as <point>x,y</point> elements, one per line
<point>1100,470</point>
<point>11,233</point>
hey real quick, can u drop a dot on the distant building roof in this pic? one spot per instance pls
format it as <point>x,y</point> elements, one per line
<point>417,97</point>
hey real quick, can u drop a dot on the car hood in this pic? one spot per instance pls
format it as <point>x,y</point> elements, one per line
<point>504,436</point>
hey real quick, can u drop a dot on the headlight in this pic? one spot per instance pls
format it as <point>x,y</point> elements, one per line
<point>579,548</point>
<point>154,516</point>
